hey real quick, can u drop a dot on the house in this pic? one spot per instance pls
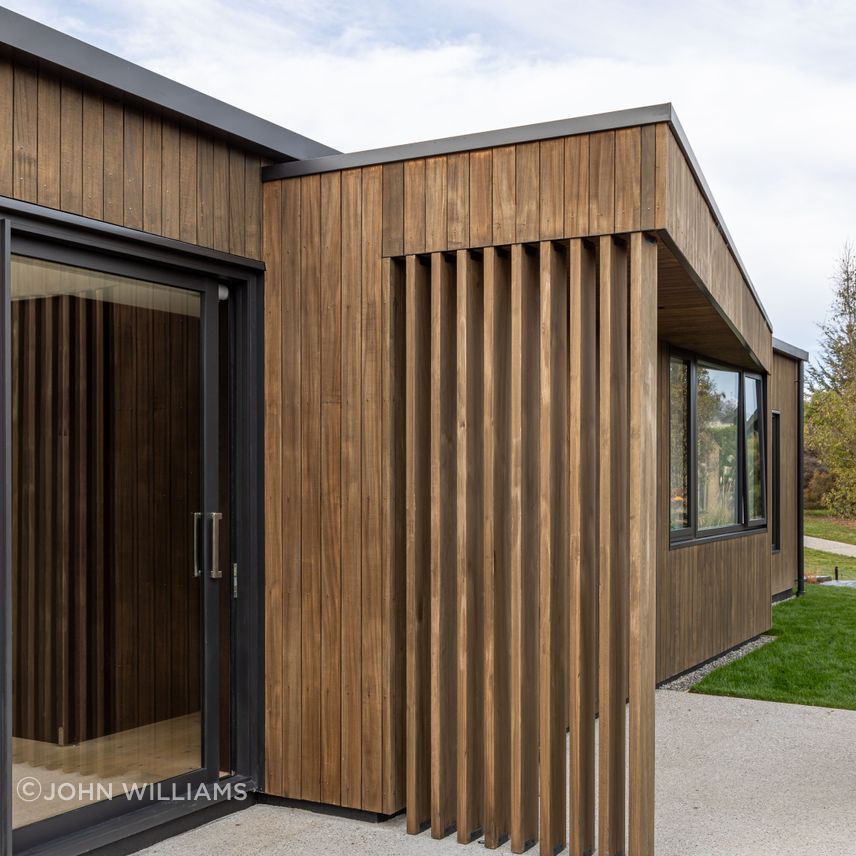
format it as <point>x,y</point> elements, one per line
<point>358,479</point>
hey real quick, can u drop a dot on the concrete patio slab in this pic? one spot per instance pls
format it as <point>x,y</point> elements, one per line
<point>736,777</point>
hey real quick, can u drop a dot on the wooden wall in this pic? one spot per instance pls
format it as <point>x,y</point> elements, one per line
<point>784,396</point>
<point>105,432</point>
<point>334,599</point>
<point>711,596</point>
<point>429,615</point>
<point>422,411</point>
<point>84,153</point>
<point>590,184</point>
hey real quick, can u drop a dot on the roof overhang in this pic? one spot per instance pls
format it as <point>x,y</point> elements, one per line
<point>780,347</point>
<point>614,120</point>
<point>67,55</point>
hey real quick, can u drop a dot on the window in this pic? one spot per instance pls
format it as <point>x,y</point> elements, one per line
<point>716,449</point>
<point>776,463</point>
<point>679,410</point>
<point>717,403</point>
<point>753,416</point>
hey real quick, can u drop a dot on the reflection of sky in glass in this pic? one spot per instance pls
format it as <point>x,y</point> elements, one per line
<point>724,386</point>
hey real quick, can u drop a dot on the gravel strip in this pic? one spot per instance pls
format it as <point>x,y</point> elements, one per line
<point>684,683</point>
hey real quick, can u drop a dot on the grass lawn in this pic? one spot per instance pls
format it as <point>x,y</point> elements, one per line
<point>820,524</point>
<point>817,562</point>
<point>812,660</point>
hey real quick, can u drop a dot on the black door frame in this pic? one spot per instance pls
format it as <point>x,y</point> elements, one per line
<point>71,236</point>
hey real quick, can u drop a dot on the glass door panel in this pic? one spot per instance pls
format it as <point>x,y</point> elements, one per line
<point>113,381</point>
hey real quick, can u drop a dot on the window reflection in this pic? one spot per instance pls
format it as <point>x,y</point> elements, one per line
<point>754,470</point>
<point>678,454</point>
<point>717,392</point>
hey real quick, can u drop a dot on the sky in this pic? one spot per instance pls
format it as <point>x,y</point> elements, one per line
<point>766,92</point>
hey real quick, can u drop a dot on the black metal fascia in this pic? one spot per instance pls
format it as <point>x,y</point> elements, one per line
<point>789,350</point>
<point>69,55</point>
<point>468,142</point>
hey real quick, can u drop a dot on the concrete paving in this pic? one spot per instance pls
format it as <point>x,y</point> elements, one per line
<point>827,546</point>
<point>735,777</point>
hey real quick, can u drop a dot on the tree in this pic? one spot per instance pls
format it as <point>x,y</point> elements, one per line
<point>831,410</point>
<point>835,369</point>
<point>831,434</point>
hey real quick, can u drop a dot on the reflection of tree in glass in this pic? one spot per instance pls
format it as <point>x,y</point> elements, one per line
<point>717,446</point>
<point>678,413</point>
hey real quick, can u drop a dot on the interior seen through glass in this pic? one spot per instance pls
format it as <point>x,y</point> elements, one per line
<point>106,475</point>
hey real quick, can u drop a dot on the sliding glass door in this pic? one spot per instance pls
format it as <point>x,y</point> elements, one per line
<point>118,522</point>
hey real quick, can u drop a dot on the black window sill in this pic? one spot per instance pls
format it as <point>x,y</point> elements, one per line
<point>677,543</point>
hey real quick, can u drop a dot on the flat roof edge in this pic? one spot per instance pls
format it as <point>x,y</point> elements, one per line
<point>790,350</point>
<point>613,120</point>
<point>67,53</point>
<point>468,142</point>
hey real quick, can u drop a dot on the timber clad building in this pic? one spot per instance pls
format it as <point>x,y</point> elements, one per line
<point>363,479</point>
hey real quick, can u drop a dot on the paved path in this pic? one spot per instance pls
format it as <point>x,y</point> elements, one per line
<point>828,546</point>
<point>736,777</point>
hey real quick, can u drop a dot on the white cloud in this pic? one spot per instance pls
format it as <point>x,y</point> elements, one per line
<point>764,94</point>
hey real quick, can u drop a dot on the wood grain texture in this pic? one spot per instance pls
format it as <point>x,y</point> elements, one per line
<point>643,540</point>
<point>527,177</point>
<point>614,551</point>
<point>288,770</point>
<point>71,148</point>
<point>504,188</point>
<point>7,124</point>
<point>470,539</point>
<point>602,183</point>
<point>481,198</point>
<point>552,189</point>
<point>583,532</point>
<point>393,209</point>
<point>310,495</point>
<point>352,358</point>
<point>443,511</point>
<point>418,545</point>
<point>497,726</point>
<point>436,208</point>
<point>331,487</point>
<point>628,179</point>
<point>458,200</point>
<point>394,522</point>
<point>525,394</point>
<point>553,546</point>
<point>414,207</point>
<point>372,454</point>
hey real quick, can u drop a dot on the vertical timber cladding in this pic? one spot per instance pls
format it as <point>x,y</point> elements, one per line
<point>783,392</point>
<point>73,149</point>
<point>500,557</point>
<point>432,471</point>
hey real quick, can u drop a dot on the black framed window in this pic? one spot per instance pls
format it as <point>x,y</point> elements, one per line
<point>753,434</point>
<point>717,451</point>
<point>679,464</point>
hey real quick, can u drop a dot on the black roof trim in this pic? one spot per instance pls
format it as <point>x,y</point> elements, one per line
<point>781,347</point>
<point>113,73</point>
<point>467,142</point>
<point>524,134</point>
